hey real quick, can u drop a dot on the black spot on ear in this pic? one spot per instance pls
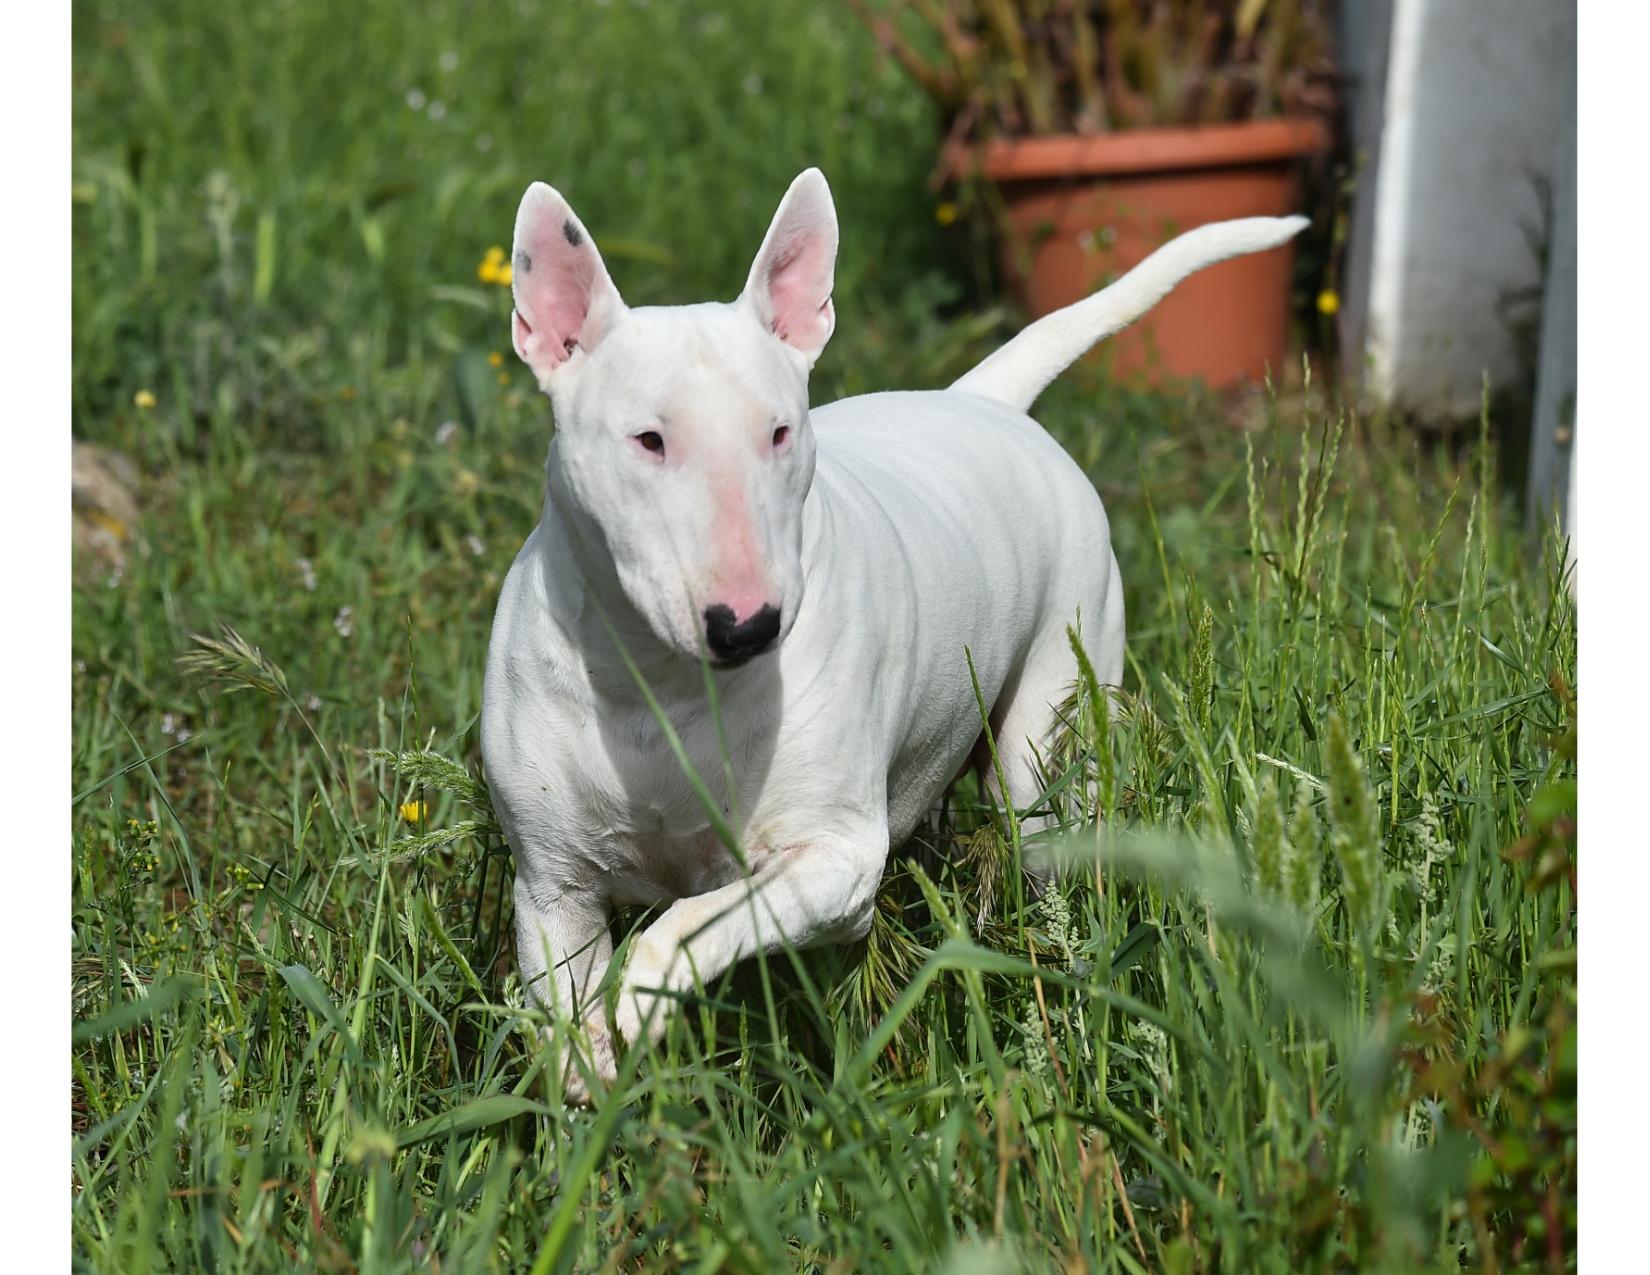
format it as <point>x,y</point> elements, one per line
<point>524,263</point>
<point>570,232</point>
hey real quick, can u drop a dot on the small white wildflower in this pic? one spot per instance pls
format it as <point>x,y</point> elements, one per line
<point>185,735</point>
<point>438,110</point>
<point>1060,927</point>
<point>484,143</point>
<point>752,84</point>
<point>1037,1058</point>
<point>475,544</point>
<point>445,433</point>
<point>1439,971</point>
<point>448,61</point>
<point>344,621</point>
<point>312,702</point>
<point>1435,848</point>
<point>1153,1046</point>
<point>168,724</point>
<point>306,571</point>
<point>416,99</point>
<point>80,666</point>
<point>115,577</point>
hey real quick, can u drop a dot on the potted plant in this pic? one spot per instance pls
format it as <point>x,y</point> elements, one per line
<point>1103,128</point>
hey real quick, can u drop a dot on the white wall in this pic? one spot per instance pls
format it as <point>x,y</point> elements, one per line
<point>1477,96</point>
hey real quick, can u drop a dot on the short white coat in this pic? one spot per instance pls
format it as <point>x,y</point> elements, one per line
<point>900,535</point>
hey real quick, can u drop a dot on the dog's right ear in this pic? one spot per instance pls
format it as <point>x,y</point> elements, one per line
<point>565,301</point>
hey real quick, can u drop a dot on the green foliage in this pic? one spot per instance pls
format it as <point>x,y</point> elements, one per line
<point>1024,67</point>
<point>299,1040</point>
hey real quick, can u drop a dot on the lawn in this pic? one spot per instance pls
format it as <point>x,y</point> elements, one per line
<point>1306,1003</point>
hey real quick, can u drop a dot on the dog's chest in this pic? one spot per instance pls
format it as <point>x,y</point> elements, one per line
<point>643,818</point>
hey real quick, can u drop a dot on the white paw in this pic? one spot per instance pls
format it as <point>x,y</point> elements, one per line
<point>642,1010</point>
<point>594,1044</point>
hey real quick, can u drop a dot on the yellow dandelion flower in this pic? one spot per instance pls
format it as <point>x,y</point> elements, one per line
<point>503,378</point>
<point>495,359</point>
<point>415,811</point>
<point>1329,301</point>
<point>492,265</point>
<point>114,526</point>
<point>347,393</point>
<point>505,275</point>
<point>144,399</point>
<point>946,213</point>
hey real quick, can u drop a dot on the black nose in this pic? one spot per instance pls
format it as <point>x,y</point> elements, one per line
<point>732,643</point>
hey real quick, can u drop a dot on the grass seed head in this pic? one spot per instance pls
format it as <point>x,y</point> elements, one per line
<point>1354,831</point>
<point>1268,847</point>
<point>1303,868</point>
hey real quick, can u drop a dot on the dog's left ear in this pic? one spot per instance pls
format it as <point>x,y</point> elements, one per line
<point>789,289</point>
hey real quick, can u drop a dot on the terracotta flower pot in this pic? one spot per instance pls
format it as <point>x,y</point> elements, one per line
<point>1083,209</point>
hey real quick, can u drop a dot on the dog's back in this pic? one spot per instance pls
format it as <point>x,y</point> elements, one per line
<point>973,523</point>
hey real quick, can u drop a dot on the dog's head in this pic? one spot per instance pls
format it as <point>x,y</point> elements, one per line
<point>683,448</point>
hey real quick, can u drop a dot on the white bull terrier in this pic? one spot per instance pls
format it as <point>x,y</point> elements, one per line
<point>832,566</point>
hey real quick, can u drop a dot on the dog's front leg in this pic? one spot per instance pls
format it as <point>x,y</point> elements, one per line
<point>814,891</point>
<point>563,948</point>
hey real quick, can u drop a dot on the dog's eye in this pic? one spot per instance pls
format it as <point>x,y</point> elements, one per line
<point>780,435</point>
<point>651,441</point>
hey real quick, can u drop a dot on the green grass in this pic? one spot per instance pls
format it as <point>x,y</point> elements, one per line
<point>1307,1005</point>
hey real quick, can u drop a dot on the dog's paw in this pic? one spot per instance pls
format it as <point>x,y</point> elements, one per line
<point>593,1044</point>
<point>635,1010</point>
<point>641,1010</point>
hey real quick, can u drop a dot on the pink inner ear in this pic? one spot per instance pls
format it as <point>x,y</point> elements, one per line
<point>556,274</point>
<point>799,292</point>
<point>572,279</point>
<point>521,336</point>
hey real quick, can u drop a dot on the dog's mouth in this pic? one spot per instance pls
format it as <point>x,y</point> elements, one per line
<point>742,659</point>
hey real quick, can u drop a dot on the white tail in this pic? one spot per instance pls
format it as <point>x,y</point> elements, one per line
<point>1022,369</point>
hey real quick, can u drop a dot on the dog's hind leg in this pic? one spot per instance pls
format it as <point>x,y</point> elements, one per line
<point>1025,728</point>
<point>1027,721</point>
